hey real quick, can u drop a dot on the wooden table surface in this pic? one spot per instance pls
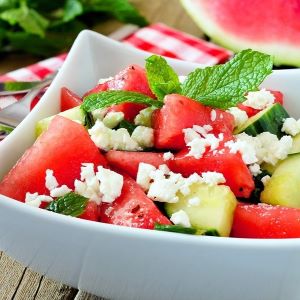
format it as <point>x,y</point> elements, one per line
<point>17,281</point>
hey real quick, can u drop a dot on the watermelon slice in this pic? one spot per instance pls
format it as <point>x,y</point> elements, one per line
<point>62,148</point>
<point>271,26</point>
<point>129,161</point>
<point>133,208</point>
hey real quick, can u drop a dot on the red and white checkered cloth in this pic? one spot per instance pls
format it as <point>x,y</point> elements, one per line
<point>156,38</point>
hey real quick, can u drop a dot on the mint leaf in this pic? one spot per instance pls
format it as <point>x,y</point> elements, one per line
<point>71,204</point>
<point>28,19</point>
<point>105,99</point>
<point>4,129</point>
<point>73,8</point>
<point>161,77</point>
<point>224,86</point>
<point>174,228</point>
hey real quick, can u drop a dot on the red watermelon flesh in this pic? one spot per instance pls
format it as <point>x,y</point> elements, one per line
<point>271,26</point>
<point>128,162</point>
<point>132,209</point>
<point>68,99</point>
<point>134,79</point>
<point>180,112</point>
<point>62,148</point>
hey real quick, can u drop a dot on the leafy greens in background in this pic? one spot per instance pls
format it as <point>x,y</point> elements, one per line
<point>45,27</point>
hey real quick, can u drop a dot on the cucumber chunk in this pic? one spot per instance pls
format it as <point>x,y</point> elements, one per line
<point>75,114</point>
<point>215,210</point>
<point>284,186</point>
<point>296,144</point>
<point>270,119</point>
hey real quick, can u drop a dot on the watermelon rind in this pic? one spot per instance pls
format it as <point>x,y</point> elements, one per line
<point>282,53</point>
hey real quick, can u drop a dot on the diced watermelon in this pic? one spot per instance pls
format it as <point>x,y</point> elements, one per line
<point>252,111</point>
<point>133,208</point>
<point>265,222</point>
<point>62,148</point>
<point>236,173</point>
<point>68,99</point>
<point>128,162</point>
<point>134,79</point>
<point>91,212</point>
<point>180,112</point>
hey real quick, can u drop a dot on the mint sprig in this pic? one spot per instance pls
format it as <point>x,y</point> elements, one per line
<point>162,79</point>
<point>71,204</point>
<point>224,86</point>
<point>108,98</point>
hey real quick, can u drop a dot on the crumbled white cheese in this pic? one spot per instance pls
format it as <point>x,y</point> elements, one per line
<point>103,80</point>
<point>259,99</point>
<point>99,114</point>
<point>255,169</point>
<point>51,182</point>
<point>245,148</point>
<point>107,139</point>
<point>111,184</point>
<point>144,136</point>
<point>60,191</point>
<point>268,148</point>
<point>143,175</point>
<point>213,115</point>
<point>168,156</point>
<point>34,199</point>
<point>265,179</point>
<point>112,119</point>
<point>164,188</point>
<point>213,178</point>
<point>240,116</point>
<point>291,126</point>
<point>198,139</point>
<point>195,201</point>
<point>181,218</point>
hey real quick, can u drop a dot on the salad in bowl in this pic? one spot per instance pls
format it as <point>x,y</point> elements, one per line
<point>120,262</point>
<point>209,153</point>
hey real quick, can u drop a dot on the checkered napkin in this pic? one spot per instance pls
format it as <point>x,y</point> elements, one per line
<point>156,38</point>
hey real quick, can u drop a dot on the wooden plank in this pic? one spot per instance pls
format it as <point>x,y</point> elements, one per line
<point>52,290</point>
<point>29,285</point>
<point>10,276</point>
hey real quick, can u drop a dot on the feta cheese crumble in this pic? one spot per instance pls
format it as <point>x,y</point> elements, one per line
<point>111,184</point>
<point>163,185</point>
<point>113,119</point>
<point>255,169</point>
<point>34,199</point>
<point>51,182</point>
<point>181,218</point>
<point>168,156</point>
<point>259,99</point>
<point>213,115</point>
<point>60,191</point>
<point>198,139</point>
<point>240,116</point>
<point>291,126</point>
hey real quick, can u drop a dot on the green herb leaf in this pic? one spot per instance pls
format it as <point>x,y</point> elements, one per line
<point>89,121</point>
<point>73,8</point>
<point>224,86</point>
<point>127,125</point>
<point>28,19</point>
<point>162,79</point>
<point>105,99</point>
<point>5,129</point>
<point>18,85</point>
<point>71,204</point>
<point>175,228</point>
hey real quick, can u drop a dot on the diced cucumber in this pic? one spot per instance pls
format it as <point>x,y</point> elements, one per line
<point>284,186</point>
<point>296,144</point>
<point>214,211</point>
<point>269,119</point>
<point>75,114</point>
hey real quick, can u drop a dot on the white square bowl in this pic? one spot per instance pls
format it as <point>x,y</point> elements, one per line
<point>126,263</point>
